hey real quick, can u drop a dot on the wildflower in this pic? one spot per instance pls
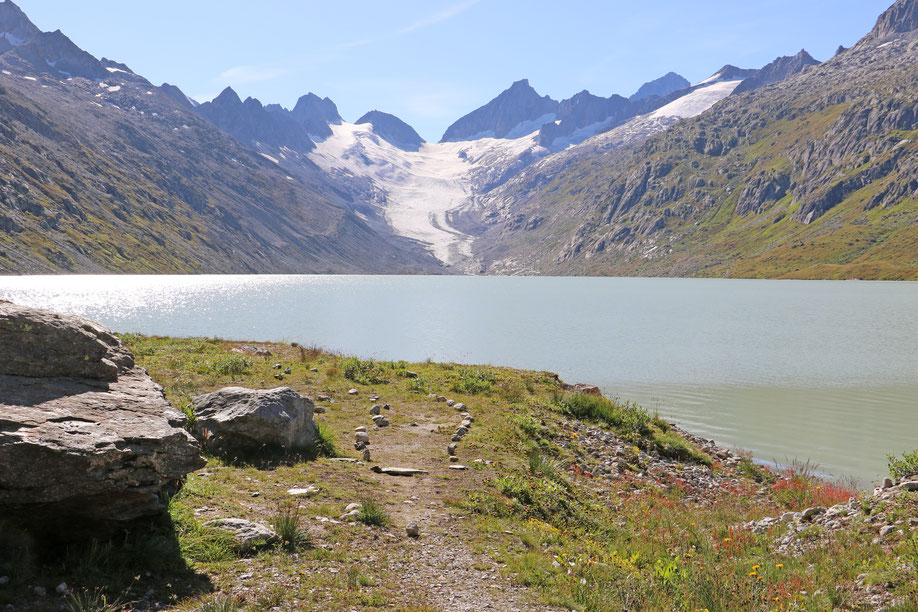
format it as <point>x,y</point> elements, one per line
<point>755,567</point>
<point>780,565</point>
<point>752,574</point>
<point>726,539</point>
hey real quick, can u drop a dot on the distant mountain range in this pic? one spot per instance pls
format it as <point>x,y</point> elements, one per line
<point>795,169</point>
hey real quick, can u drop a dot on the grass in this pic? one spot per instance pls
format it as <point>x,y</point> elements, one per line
<point>533,511</point>
<point>905,466</point>
<point>362,372</point>
<point>373,513</point>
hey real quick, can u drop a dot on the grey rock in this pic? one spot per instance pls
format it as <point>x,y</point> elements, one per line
<point>451,449</point>
<point>911,485</point>
<point>887,483</point>
<point>811,513</point>
<point>451,403</point>
<point>353,392</point>
<point>413,530</point>
<point>885,531</point>
<point>246,533</point>
<point>62,589</point>
<point>587,389</point>
<point>303,491</point>
<point>787,517</point>
<point>377,409</point>
<point>82,457</point>
<point>42,344</point>
<point>4,580</point>
<point>39,591</point>
<point>366,455</point>
<point>235,419</point>
<point>361,436</point>
<point>460,407</point>
<point>462,431</point>
<point>411,374</point>
<point>456,438</point>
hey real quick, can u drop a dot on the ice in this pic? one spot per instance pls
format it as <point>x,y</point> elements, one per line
<point>268,157</point>
<point>423,188</point>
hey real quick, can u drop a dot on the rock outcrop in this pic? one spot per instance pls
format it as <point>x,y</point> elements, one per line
<point>88,442</point>
<point>393,130</point>
<point>235,421</point>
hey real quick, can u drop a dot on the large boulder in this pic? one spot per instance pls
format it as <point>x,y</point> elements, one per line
<point>41,343</point>
<point>87,444</point>
<point>237,421</point>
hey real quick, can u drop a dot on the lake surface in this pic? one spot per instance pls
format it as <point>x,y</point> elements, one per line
<point>826,371</point>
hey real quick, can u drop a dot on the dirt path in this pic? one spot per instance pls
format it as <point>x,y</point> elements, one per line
<point>441,563</point>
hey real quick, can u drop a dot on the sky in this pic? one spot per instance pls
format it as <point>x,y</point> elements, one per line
<point>432,61</point>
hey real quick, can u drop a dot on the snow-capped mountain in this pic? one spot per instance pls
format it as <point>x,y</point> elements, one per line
<point>662,87</point>
<point>393,130</point>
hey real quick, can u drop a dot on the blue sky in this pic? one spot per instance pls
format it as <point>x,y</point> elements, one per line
<point>431,61</point>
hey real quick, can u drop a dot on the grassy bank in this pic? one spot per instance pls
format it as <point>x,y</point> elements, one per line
<point>568,501</point>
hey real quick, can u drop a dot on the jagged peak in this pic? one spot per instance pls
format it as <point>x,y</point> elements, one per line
<point>228,96</point>
<point>900,18</point>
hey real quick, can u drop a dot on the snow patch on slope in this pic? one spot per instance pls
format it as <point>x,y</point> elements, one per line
<point>698,101</point>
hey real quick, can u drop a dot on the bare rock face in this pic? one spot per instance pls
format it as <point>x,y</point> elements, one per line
<point>87,443</point>
<point>41,343</point>
<point>237,420</point>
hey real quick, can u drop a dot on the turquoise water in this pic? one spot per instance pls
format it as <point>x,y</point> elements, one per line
<point>826,371</point>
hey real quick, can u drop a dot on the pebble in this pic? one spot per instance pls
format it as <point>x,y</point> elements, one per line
<point>353,392</point>
<point>366,455</point>
<point>62,589</point>
<point>431,396</point>
<point>287,371</point>
<point>454,459</point>
<point>462,431</point>
<point>413,530</point>
<point>456,438</point>
<point>885,531</point>
<point>410,374</point>
<point>320,409</point>
<point>377,409</point>
<point>313,369</point>
<point>460,407</point>
<point>4,580</point>
<point>323,398</point>
<point>361,437</point>
<point>39,591</point>
<point>457,467</point>
<point>374,398</point>
<point>451,403</point>
<point>451,449</point>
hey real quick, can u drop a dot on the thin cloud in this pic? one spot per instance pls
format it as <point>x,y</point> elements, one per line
<point>241,75</point>
<point>440,17</point>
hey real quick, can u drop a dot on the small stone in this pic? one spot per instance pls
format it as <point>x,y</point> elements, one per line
<point>909,486</point>
<point>323,398</point>
<point>454,459</point>
<point>246,533</point>
<point>410,374</point>
<point>462,431</point>
<point>431,396</point>
<point>451,449</point>
<point>374,398</point>
<point>320,410</point>
<point>377,409</point>
<point>4,580</point>
<point>787,517</point>
<point>287,371</point>
<point>353,392</point>
<point>62,589</point>
<point>366,455</point>
<point>467,424</point>
<point>359,446</point>
<point>350,516</point>
<point>277,366</point>
<point>361,436</point>
<point>460,407</point>
<point>352,507</point>
<point>887,483</point>
<point>360,428</point>
<point>451,403</point>
<point>441,398</point>
<point>413,530</point>
<point>456,438</point>
<point>457,467</point>
<point>885,531</point>
<point>39,591</point>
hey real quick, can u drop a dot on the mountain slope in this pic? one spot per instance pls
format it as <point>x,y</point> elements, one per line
<point>814,176</point>
<point>114,175</point>
<point>662,87</point>
<point>392,129</point>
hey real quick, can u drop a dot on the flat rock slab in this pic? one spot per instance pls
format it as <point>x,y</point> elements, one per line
<point>398,471</point>
<point>246,533</point>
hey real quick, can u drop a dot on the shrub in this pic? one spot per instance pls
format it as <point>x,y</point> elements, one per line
<point>362,372</point>
<point>373,513</point>
<point>906,466</point>
<point>231,365</point>
<point>96,600</point>
<point>473,381</point>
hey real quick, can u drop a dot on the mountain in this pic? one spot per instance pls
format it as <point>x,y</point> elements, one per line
<point>518,111</point>
<point>662,87</point>
<point>114,175</point>
<point>901,18</point>
<point>392,129</point>
<point>316,114</point>
<point>778,70</point>
<point>813,176</point>
<point>178,96</point>
<point>15,27</point>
